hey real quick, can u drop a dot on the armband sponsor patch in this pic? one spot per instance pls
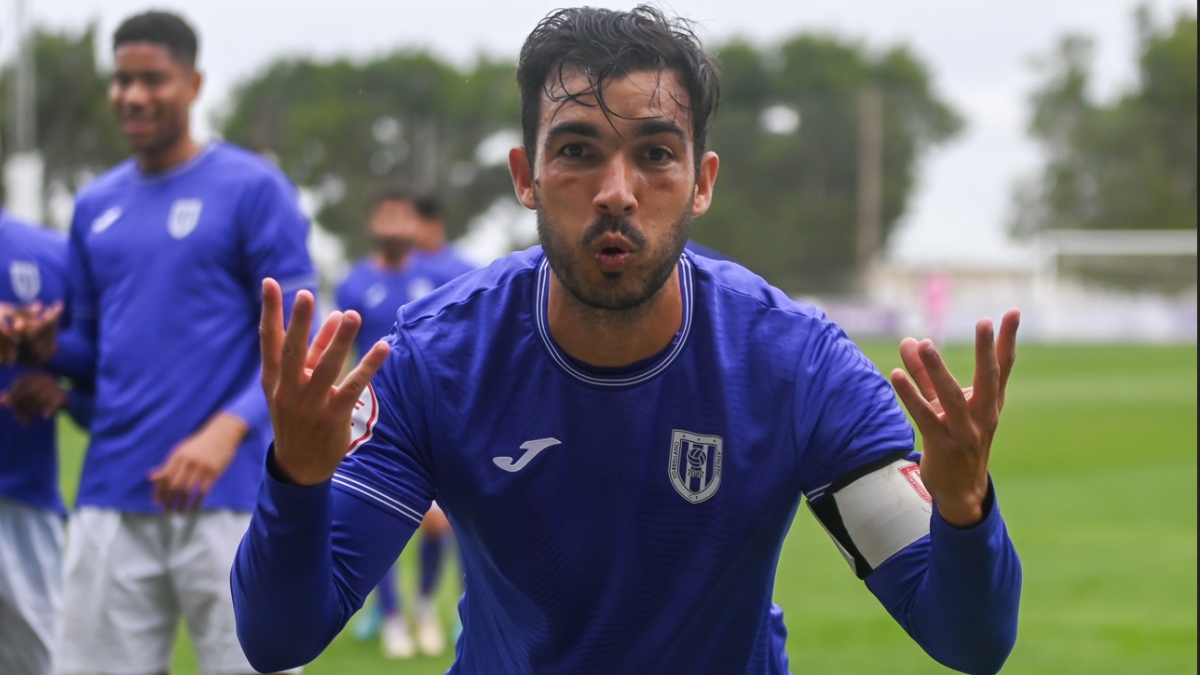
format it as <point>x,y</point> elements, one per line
<point>875,512</point>
<point>362,420</point>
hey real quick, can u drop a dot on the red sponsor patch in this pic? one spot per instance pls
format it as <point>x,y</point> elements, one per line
<point>912,473</point>
<point>362,421</point>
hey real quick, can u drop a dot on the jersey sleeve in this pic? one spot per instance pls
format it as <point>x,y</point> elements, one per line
<point>846,412</point>
<point>312,554</point>
<point>76,354</point>
<point>274,237</point>
<point>956,592</point>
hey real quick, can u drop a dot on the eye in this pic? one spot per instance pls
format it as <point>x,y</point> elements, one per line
<point>658,154</point>
<point>573,150</point>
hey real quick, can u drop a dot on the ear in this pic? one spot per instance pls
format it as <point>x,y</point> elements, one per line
<point>522,176</point>
<point>702,198</point>
<point>195,81</point>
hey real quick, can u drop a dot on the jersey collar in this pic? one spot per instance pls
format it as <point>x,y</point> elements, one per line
<point>649,370</point>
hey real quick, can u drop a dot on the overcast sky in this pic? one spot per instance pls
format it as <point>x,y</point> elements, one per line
<point>979,53</point>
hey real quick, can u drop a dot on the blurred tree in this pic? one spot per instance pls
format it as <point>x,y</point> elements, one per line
<point>77,133</point>
<point>1127,165</point>
<point>346,128</point>
<point>788,136</point>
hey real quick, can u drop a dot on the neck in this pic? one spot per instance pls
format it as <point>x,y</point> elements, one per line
<point>614,338</point>
<point>169,157</point>
<point>391,260</point>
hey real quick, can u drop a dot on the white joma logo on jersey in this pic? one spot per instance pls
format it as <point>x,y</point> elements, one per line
<point>106,219</point>
<point>531,448</point>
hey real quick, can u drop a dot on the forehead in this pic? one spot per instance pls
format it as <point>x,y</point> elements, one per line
<point>571,95</point>
<point>144,56</point>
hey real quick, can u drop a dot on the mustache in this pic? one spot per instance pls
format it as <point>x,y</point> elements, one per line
<point>619,224</point>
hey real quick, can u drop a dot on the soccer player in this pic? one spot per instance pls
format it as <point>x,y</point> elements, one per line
<point>33,266</point>
<point>619,431</point>
<point>410,260</point>
<point>167,253</point>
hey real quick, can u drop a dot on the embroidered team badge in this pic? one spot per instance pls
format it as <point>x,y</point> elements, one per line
<point>695,466</point>
<point>375,294</point>
<point>26,280</point>
<point>106,219</point>
<point>185,214</point>
<point>362,421</point>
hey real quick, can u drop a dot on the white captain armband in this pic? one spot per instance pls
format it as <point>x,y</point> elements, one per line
<point>875,511</point>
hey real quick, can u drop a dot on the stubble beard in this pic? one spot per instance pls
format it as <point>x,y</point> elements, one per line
<point>619,296</point>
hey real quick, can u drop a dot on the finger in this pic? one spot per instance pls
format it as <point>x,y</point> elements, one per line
<point>912,362</point>
<point>295,340</point>
<point>201,492</point>
<point>270,332</point>
<point>949,393</point>
<point>324,337</point>
<point>352,387</point>
<point>987,371</point>
<point>330,365</point>
<point>922,412</point>
<point>1006,350</point>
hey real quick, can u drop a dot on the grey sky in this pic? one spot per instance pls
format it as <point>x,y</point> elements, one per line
<point>978,51</point>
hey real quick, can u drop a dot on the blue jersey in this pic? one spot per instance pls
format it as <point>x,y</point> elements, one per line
<point>621,520</point>
<point>376,292</point>
<point>166,272</point>
<point>33,267</point>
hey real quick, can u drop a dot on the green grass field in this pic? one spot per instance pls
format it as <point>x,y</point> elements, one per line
<point>1095,467</point>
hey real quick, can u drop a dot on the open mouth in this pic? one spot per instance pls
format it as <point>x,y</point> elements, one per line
<point>612,252</point>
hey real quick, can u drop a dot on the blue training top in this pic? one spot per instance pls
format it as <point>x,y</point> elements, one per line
<point>610,520</point>
<point>166,272</point>
<point>376,292</point>
<point>33,267</point>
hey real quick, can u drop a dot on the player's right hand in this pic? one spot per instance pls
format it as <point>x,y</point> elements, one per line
<point>309,411</point>
<point>8,334</point>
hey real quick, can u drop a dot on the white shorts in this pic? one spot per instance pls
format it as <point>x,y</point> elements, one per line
<point>130,576</point>
<point>31,541</point>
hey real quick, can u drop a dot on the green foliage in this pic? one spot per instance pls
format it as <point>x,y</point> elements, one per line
<point>347,128</point>
<point>77,133</point>
<point>1125,165</point>
<point>786,203</point>
<point>1095,468</point>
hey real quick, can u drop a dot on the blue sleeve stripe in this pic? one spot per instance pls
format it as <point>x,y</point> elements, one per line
<point>377,496</point>
<point>294,284</point>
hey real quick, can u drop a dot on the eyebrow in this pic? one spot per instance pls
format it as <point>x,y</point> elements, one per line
<point>643,129</point>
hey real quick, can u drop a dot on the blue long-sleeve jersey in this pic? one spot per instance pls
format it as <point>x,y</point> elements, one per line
<point>165,276</point>
<point>610,520</point>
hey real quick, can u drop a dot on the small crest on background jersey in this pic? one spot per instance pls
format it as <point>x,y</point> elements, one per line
<point>185,214</point>
<point>26,280</point>
<point>362,421</point>
<point>376,293</point>
<point>695,467</point>
<point>106,219</point>
<point>419,288</point>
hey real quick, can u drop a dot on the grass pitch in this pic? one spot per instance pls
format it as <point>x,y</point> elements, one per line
<point>1095,468</point>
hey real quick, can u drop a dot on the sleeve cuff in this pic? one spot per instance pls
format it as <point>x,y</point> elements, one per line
<point>978,534</point>
<point>297,502</point>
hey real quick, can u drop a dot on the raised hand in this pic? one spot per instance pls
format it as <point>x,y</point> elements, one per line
<point>310,414</point>
<point>957,425</point>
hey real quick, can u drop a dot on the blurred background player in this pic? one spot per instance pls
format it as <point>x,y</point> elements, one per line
<point>411,258</point>
<point>167,254</point>
<point>33,267</point>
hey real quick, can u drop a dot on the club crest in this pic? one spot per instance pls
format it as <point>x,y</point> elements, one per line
<point>363,419</point>
<point>695,466</point>
<point>185,214</point>
<point>26,280</point>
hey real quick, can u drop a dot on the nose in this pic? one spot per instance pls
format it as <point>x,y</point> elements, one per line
<point>615,195</point>
<point>134,94</point>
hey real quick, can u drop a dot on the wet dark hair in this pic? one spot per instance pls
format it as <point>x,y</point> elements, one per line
<point>607,44</point>
<point>160,28</point>
<point>427,204</point>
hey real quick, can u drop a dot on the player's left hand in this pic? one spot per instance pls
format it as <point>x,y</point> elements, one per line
<point>34,394</point>
<point>35,327</point>
<point>957,425</point>
<point>185,479</point>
